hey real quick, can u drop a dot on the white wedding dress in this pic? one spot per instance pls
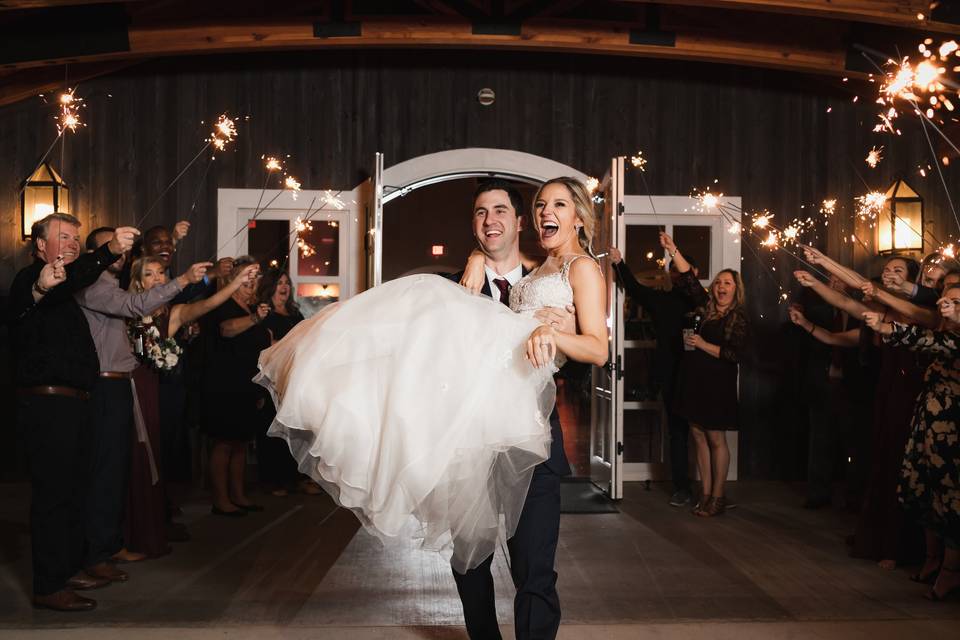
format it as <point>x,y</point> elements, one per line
<point>413,405</point>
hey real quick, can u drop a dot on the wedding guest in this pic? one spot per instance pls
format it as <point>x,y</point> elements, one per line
<point>880,533</point>
<point>838,400</point>
<point>106,306</point>
<point>232,417</point>
<point>146,518</point>
<point>667,309</point>
<point>930,475</point>
<point>707,381</point>
<point>55,369</point>
<point>278,469</point>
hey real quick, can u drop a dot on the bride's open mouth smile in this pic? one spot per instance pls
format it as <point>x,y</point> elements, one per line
<point>548,229</point>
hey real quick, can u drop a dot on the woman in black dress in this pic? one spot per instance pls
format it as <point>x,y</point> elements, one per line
<point>233,411</point>
<point>706,393</point>
<point>278,469</point>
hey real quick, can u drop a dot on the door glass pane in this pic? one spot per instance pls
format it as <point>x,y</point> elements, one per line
<point>642,253</point>
<point>637,367</point>
<point>313,296</point>
<point>694,242</point>
<point>642,435</point>
<point>319,246</point>
<point>268,241</point>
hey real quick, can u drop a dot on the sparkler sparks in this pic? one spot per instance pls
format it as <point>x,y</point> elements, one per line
<point>761,221</point>
<point>70,107</point>
<point>639,161</point>
<point>870,205</point>
<point>874,157</point>
<point>333,199</point>
<point>592,184</point>
<point>272,164</point>
<point>828,207</point>
<point>922,82</point>
<point>224,131</point>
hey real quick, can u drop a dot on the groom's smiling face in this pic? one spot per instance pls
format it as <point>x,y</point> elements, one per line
<point>496,224</point>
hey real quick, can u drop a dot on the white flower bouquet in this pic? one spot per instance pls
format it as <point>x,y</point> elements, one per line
<point>161,354</point>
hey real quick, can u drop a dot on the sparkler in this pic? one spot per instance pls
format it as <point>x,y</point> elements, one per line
<point>293,185</point>
<point>870,205</point>
<point>592,184</point>
<point>874,157</point>
<point>638,161</point>
<point>224,132</point>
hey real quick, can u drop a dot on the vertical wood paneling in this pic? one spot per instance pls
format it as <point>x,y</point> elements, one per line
<point>767,136</point>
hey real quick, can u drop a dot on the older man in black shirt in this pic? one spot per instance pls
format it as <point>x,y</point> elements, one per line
<point>56,367</point>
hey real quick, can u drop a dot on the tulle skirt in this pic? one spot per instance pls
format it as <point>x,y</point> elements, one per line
<point>413,405</point>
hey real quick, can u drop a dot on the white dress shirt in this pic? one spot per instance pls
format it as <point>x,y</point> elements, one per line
<point>513,277</point>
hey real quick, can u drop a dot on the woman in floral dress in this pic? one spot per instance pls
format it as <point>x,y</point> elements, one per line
<point>930,475</point>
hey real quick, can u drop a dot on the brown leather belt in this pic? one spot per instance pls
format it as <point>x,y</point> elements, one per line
<point>53,390</point>
<point>117,375</point>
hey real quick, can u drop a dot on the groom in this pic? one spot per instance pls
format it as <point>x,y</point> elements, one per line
<point>497,222</point>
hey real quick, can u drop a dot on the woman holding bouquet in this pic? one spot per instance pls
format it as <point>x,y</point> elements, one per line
<point>154,339</point>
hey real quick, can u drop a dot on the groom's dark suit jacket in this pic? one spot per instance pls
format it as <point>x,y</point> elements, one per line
<point>557,462</point>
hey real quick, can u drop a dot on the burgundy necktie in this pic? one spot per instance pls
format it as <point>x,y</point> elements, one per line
<point>504,287</point>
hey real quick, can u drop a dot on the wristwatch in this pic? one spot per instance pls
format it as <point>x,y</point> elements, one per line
<point>673,253</point>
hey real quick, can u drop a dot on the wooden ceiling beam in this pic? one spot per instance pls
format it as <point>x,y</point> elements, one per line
<point>722,46</point>
<point>15,5</point>
<point>895,13</point>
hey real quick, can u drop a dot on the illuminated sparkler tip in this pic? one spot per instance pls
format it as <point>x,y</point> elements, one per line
<point>639,161</point>
<point>272,164</point>
<point>874,157</point>
<point>592,184</point>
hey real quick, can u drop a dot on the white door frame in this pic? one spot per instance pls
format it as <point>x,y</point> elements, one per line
<point>235,207</point>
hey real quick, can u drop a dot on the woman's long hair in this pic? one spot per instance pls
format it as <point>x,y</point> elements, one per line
<point>268,286</point>
<point>136,272</point>
<point>583,207</point>
<point>738,295</point>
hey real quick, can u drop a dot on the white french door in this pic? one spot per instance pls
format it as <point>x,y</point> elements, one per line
<point>606,389</point>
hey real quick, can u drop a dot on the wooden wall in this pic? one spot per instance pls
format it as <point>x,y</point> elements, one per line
<point>778,140</point>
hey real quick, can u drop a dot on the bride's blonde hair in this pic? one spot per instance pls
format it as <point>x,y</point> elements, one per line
<point>582,205</point>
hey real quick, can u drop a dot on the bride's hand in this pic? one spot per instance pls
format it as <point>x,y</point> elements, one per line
<point>474,275</point>
<point>542,346</point>
<point>563,319</point>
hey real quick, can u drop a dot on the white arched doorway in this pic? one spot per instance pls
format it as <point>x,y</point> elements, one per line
<point>401,179</point>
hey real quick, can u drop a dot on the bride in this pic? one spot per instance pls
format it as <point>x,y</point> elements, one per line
<point>423,408</point>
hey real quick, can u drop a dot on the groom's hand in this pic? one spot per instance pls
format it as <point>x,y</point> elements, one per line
<point>563,320</point>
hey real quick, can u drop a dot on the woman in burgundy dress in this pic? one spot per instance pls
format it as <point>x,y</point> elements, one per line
<point>880,533</point>
<point>145,519</point>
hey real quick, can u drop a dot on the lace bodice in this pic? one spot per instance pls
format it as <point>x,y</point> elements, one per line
<point>546,286</point>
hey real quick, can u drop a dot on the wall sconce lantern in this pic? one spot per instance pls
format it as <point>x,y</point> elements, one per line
<point>41,194</point>
<point>900,224</point>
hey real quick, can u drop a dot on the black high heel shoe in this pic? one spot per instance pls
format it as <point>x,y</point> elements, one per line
<point>251,508</point>
<point>239,513</point>
<point>932,594</point>
<point>929,578</point>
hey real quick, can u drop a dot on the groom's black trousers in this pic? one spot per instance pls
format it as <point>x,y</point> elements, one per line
<point>532,551</point>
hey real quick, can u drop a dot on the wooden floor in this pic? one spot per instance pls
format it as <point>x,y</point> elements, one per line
<point>302,569</point>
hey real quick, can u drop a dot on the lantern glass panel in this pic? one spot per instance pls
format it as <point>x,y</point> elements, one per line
<point>906,226</point>
<point>38,202</point>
